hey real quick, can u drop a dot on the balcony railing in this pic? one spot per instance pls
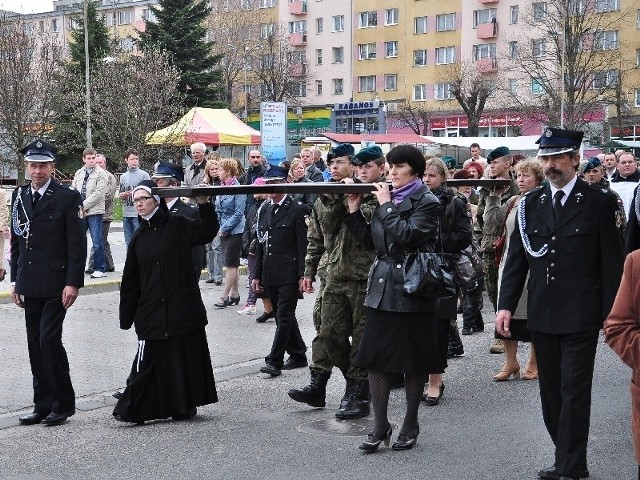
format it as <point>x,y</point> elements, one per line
<point>298,70</point>
<point>298,39</point>
<point>488,1</point>
<point>487,30</point>
<point>297,7</point>
<point>487,65</point>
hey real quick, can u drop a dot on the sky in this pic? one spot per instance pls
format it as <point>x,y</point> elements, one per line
<point>27,6</point>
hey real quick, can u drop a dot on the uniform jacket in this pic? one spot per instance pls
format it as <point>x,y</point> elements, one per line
<point>632,233</point>
<point>622,333</point>
<point>159,293</point>
<point>56,250</point>
<point>571,288</point>
<point>97,187</point>
<point>280,259</point>
<point>490,232</point>
<point>394,231</point>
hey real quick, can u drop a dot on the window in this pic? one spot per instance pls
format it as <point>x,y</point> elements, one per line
<point>337,85</point>
<point>420,25</point>
<point>637,57</point>
<point>337,55</point>
<point>605,79</point>
<point>319,25</point>
<point>298,89</point>
<point>539,47</point>
<point>515,13</point>
<point>536,86</point>
<point>318,87</point>
<point>419,58</point>
<point>110,19</point>
<point>605,40</point>
<point>74,23</point>
<point>299,26</point>
<point>513,86</point>
<point>442,91</point>
<point>485,50</point>
<point>577,7</point>
<point>391,82</point>
<point>266,3</point>
<point>267,30</point>
<point>368,19</point>
<point>445,55</point>
<point>513,50</point>
<point>391,16</point>
<point>638,19</point>
<point>126,44</point>
<point>390,49</point>
<point>297,58</point>
<point>148,15</point>
<point>483,16</point>
<point>445,22</point>
<point>606,5</point>
<point>267,61</point>
<point>124,17</point>
<point>367,83</point>
<point>41,25</point>
<point>539,11</point>
<point>337,23</point>
<point>54,25</point>
<point>366,51</point>
<point>637,97</point>
<point>420,92</point>
<point>318,56</point>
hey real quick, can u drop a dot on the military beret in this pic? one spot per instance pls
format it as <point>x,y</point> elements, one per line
<point>556,140</point>
<point>367,154</point>
<point>450,162</point>
<point>497,153</point>
<point>39,151</point>
<point>343,150</point>
<point>168,170</point>
<point>594,162</point>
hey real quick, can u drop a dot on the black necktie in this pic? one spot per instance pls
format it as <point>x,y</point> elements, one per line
<point>196,169</point>
<point>36,197</point>
<point>557,203</point>
<point>274,209</point>
<point>83,192</point>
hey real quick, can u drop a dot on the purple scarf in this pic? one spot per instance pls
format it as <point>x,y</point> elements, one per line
<point>398,195</point>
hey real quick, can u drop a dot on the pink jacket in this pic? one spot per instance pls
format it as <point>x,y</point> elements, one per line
<point>622,333</point>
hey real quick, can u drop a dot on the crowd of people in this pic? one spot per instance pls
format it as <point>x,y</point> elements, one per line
<point>556,229</point>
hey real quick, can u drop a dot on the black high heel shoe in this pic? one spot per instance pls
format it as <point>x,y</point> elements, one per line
<point>222,303</point>
<point>372,442</point>
<point>405,441</point>
<point>233,300</point>
<point>433,401</point>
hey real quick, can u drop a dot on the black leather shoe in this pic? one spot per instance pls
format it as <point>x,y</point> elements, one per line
<point>112,269</point>
<point>32,419</point>
<point>550,473</point>
<point>54,418</point>
<point>117,395</point>
<point>185,416</point>
<point>405,441</point>
<point>264,317</point>
<point>291,363</point>
<point>433,401</point>
<point>271,369</point>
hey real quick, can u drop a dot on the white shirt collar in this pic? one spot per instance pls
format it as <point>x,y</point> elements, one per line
<point>171,203</point>
<point>42,189</point>
<point>566,189</point>
<point>280,202</point>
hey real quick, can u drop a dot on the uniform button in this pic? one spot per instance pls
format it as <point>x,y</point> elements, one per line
<point>269,253</point>
<point>380,280</point>
<point>30,264</point>
<point>577,229</point>
<point>552,265</point>
<point>398,266</point>
<point>163,299</point>
<point>553,238</point>
<point>553,251</point>
<point>535,231</point>
<point>553,278</point>
<point>389,209</point>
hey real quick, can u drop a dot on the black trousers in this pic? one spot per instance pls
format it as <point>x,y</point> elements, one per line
<point>287,337</point>
<point>565,369</point>
<point>52,389</point>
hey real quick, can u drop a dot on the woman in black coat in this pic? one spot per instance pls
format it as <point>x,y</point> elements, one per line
<point>172,372</point>
<point>455,235</point>
<point>400,335</point>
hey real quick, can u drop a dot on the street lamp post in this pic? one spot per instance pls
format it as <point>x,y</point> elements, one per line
<point>86,72</point>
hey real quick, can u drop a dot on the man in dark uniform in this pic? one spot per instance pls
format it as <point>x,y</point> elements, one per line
<point>280,254</point>
<point>48,251</point>
<point>170,175</point>
<point>567,240</point>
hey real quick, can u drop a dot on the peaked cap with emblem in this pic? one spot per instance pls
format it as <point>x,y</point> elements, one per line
<point>168,170</point>
<point>556,140</point>
<point>39,151</point>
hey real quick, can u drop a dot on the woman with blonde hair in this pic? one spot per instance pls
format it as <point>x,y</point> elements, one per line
<point>230,210</point>
<point>297,174</point>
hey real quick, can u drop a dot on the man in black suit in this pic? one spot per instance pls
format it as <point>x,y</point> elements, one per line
<point>566,238</point>
<point>280,253</point>
<point>171,175</point>
<point>48,251</point>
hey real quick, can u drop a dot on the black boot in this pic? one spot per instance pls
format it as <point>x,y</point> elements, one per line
<point>358,405</point>
<point>313,394</point>
<point>455,342</point>
<point>348,392</point>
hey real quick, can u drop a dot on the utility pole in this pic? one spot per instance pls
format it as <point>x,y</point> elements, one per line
<point>86,72</point>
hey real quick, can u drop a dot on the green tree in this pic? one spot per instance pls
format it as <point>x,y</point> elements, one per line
<point>179,30</point>
<point>99,42</point>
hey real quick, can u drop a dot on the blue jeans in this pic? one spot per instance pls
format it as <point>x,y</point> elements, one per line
<point>94,225</point>
<point>129,225</point>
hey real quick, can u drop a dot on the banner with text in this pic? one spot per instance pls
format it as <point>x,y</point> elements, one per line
<point>273,128</point>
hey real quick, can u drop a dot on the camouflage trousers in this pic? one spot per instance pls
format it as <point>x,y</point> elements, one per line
<point>339,318</point>
<point>491,278</point>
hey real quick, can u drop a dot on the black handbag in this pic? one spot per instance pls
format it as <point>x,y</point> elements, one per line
<point>468,265</point>
<point>428,274</point>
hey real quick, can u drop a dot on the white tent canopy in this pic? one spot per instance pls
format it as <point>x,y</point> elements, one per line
<point>515,144</point>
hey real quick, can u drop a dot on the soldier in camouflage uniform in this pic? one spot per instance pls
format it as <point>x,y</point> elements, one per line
<point>499,161</point>
<point>593,172</point>
<point>343,266</point>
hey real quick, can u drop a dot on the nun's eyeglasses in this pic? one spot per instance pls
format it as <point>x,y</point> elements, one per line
<point>140,200</point>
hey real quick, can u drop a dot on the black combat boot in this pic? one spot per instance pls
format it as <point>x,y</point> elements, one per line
<point>313,394</point>
<point>348,392</point>
<point>358,404</point>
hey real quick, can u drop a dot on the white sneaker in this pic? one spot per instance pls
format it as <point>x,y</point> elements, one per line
<point>98,274</point>
<point>247,310</point>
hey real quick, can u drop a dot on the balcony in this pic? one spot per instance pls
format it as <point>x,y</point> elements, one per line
<point>487,30</point>
<point>298,70</point>
<point>298,39</point>
<point>488,1</point>
<point>298,7</point>
<point>487,65</point>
